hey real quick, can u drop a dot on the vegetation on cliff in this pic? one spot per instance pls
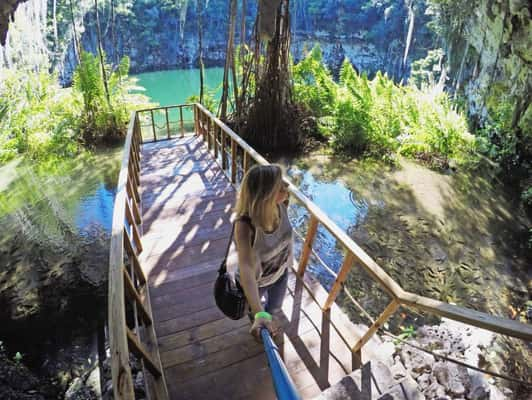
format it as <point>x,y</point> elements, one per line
<point>40,119</point>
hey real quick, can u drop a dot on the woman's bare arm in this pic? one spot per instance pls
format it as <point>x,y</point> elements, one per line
<point>246,266</point>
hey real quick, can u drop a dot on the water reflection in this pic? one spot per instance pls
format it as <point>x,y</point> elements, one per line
<point>59,202</point>
<point>341,204</point>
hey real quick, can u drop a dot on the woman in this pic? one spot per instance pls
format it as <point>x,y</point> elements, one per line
<point>264,243</point>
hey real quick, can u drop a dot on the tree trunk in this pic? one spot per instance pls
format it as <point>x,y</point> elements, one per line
<point>411,18</point>
<point>228,61</point>
<point>77,49</point>
<point>271,122</point>
<point>460,71</point>
<point>199,5</point>
<point>100,51</point>
<point>56,37</point>
<point>113,34</point>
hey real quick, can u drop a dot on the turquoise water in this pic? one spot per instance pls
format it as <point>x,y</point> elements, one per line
<point>176,86</point>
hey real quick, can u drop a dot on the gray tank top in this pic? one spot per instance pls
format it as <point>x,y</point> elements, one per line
<point>273,252</point>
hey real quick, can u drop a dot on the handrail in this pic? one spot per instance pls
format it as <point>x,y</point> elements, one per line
<point>400,297</point>
<point>130,283</point>
<point>283,384</point>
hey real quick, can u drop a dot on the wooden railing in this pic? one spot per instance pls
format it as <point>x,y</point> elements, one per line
<point>221,139</point>
<point>130,319</point>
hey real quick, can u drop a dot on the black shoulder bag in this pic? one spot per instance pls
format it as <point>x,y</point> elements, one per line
<point>230,298</point>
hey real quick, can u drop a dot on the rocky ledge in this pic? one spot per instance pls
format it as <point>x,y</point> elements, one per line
<point>402,372</point>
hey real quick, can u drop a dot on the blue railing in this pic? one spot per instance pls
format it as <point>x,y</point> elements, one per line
<point>284,387</point>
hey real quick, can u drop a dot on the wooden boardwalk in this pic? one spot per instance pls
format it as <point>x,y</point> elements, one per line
<point>186,204</point>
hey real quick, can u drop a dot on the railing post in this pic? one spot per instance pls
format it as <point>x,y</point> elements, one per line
<point>233,161</point>
<point>196,124</point>
<point>340,279</point>
<point>167,123</point>
<point>153,126</point>
<point>307,247</point>
<point>246,161</point>
<point>181,119</point>
<point>388,311</point>
<point>208,134</point>
<point>224,156</point>
<point>215,136</point>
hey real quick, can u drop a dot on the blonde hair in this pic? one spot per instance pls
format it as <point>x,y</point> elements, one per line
<point>258,194</point>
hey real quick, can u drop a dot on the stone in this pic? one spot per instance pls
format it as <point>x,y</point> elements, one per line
<point>453,377</point>
<point>383,376</point>
<point>434,391</point>
<point>405,389</point>
<point>424,381</point>
<point>416,361</point>
<point>398,370</point>
<point>479,393</point>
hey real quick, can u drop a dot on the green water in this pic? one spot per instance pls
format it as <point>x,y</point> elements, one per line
<point>176,86</point>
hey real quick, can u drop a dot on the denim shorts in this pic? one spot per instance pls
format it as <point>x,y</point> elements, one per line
<point>274,294</point>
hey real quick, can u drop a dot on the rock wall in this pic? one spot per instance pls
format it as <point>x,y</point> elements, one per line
<point>495,46</point>
<point>156,38</point>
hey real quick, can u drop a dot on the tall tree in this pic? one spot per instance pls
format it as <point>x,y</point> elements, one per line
<point>200,6</point>
<point>411,18</point>
<point>77,48</point>
<point>228,60</point>
<point>272,117</point>
<point>100,51</point>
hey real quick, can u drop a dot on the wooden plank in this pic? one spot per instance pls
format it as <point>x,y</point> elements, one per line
<point>200,333</point>
<point>140,351</point>
<point>185,256</point>
<point>340,279</point>
<point>307,247</point>
<point>199,293</point>
<point>188,321</point>
<point>215,361</point>
<point>220,384</point>
<point>492,323</point>
<point>187,271</point>
<point>175,286</point>
<point>133,295</point>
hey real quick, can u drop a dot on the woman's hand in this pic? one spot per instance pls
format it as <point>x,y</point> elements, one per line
<point>259,323</point>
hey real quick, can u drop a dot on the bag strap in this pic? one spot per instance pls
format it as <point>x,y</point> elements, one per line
<point>245,219</point>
